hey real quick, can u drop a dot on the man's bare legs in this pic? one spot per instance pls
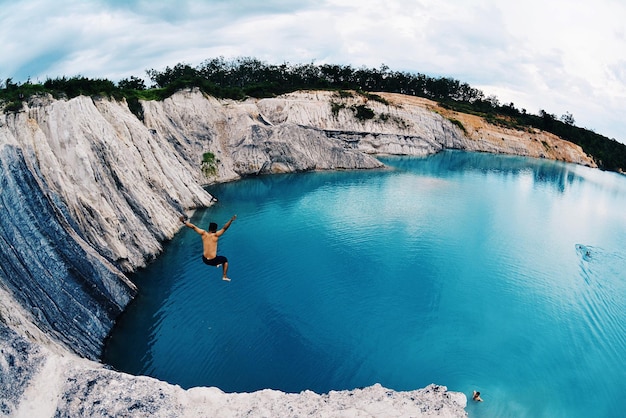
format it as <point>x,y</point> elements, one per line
<point>224,271</point>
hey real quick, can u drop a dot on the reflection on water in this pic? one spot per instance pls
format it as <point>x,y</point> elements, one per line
<point>556,175</point>
<point>479,272</point>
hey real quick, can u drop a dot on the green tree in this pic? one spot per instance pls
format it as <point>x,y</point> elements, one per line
<point>568,118</point>
<point>132,83</point>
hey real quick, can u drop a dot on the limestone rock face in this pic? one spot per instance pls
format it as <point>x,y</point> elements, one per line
<point>243,141</point>
<point>88,191</point>
<point>72,293</point>
<point>388,129</point>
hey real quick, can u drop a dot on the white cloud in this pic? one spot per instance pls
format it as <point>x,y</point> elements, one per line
<point>560,56</point>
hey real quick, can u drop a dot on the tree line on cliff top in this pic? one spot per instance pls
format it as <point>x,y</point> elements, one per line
<point>250,77</point>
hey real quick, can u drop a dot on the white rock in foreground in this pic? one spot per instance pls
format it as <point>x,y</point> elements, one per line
<point>39,382</point>
<point>137,397</point>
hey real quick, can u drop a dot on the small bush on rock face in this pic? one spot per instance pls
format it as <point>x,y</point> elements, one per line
<point>459,124</point>
<point>363,112</point>
<point>336,107</point>
<point>209,164</point>
<point>14,106</point>
<point>375,97</point>
<point>135,107</point>
<point>344,94</point>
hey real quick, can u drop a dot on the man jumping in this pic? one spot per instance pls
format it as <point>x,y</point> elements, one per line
<point>209,244</point>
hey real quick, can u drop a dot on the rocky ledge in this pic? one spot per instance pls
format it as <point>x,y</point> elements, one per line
<point>88,192</point>
<point>40,383</point>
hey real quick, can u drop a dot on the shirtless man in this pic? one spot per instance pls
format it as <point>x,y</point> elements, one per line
<point>209,244</point>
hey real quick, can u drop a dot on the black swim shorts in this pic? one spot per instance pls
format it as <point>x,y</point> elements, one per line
<point>220,259</point>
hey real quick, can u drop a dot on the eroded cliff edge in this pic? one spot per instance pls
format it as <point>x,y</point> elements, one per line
<point>88,192</point>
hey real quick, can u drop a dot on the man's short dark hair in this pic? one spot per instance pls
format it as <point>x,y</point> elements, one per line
<point>212,227</point>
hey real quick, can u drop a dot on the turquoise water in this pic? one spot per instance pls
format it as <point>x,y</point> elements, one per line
<point>500,274</point>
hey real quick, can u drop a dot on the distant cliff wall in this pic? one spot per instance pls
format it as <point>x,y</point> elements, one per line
<point>88,191</point>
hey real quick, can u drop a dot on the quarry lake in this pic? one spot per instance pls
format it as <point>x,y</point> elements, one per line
<point>500,274</point>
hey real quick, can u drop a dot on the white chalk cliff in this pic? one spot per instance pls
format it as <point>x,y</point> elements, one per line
<point>88,192</point>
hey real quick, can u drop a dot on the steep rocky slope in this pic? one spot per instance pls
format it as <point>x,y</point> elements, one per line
<point>88,192</point>
<point>486,137</point>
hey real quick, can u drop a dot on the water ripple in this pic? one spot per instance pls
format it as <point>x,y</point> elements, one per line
<point>604,299</point>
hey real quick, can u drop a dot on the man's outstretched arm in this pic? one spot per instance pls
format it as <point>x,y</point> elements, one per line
<point>188,224</point>
<point>226,225</point>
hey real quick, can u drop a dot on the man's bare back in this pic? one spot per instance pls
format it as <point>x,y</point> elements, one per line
<point>209,243</point>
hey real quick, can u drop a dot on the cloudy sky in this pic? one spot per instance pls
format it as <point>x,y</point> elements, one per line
<point>562,56</point>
